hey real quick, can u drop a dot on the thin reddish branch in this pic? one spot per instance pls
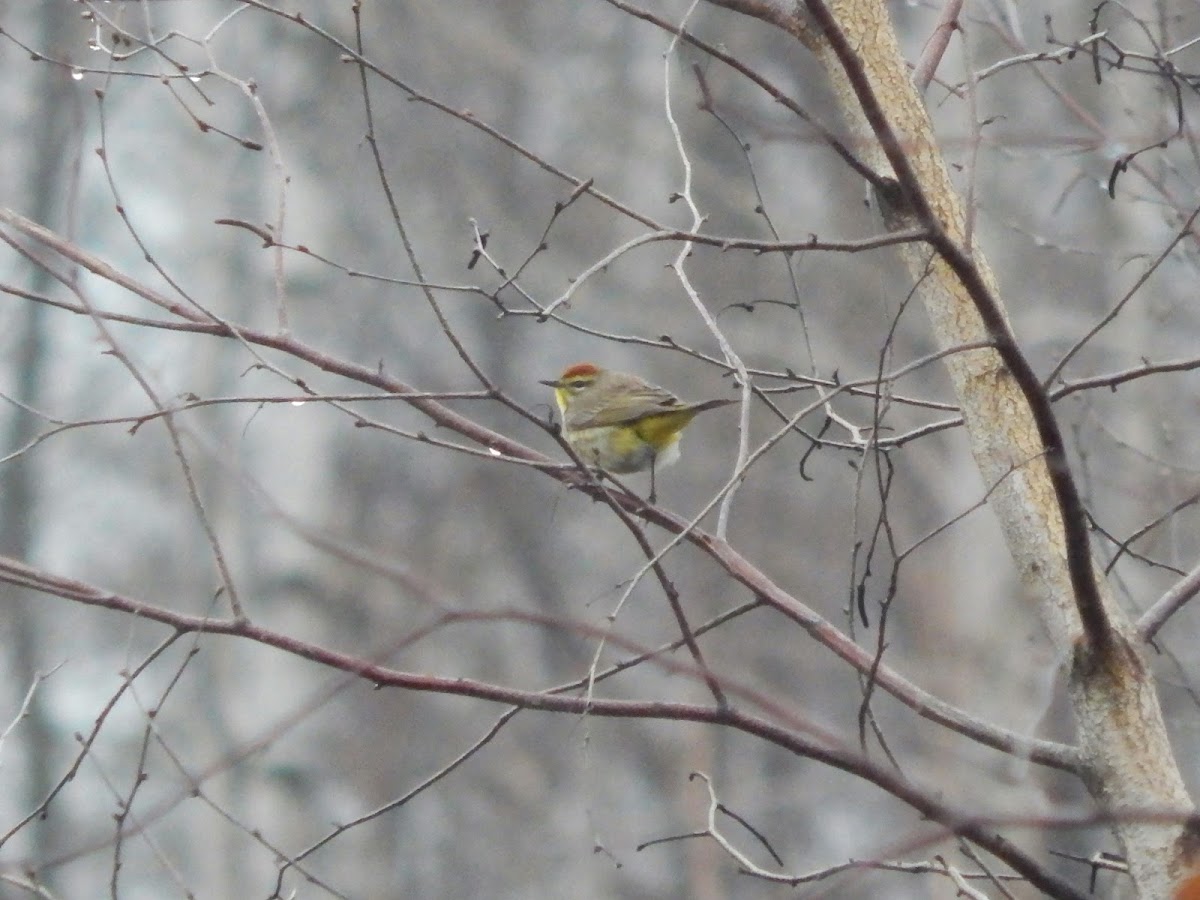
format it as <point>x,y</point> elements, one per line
<point>925,704</point>
<point>821,749</point>
<point>740,569</point>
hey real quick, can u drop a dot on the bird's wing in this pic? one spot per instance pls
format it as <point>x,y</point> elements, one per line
<point>639,403</point>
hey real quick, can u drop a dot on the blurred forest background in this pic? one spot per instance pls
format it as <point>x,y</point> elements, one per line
<point>219,761</point>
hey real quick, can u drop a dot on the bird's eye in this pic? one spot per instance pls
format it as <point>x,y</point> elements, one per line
<point>577,385</point>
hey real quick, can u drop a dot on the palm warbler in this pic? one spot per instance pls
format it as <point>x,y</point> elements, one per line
<point>620,423</point>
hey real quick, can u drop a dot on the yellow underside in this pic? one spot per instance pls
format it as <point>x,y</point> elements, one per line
<point>628,448</point>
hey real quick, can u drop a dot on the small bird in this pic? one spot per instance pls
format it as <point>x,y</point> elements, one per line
<point>620,423</point>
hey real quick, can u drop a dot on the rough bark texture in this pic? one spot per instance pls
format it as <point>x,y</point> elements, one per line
<point>1116,708</point>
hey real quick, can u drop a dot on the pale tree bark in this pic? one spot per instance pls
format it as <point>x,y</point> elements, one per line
<point>1014,437</point>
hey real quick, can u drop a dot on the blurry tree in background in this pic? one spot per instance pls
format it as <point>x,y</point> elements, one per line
<point>305,597</point>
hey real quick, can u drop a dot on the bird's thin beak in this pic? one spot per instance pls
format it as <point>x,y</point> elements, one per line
<point>552,384</point>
